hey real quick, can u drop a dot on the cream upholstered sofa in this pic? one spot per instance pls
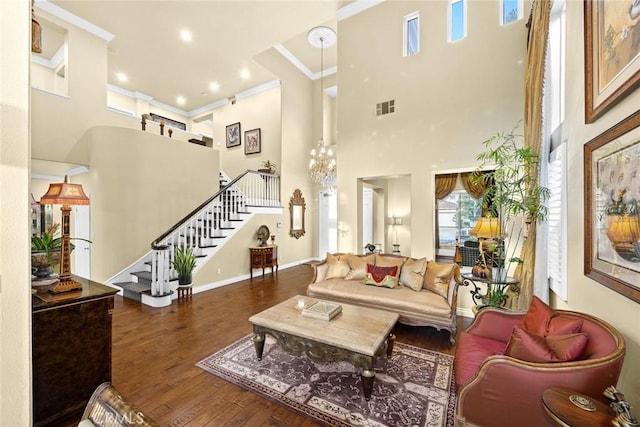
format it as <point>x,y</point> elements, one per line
<point>424,293</point>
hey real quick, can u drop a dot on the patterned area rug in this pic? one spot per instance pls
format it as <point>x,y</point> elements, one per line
<point>413,388</point>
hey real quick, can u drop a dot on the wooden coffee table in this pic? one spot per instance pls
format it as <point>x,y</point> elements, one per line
<point>357,335</point>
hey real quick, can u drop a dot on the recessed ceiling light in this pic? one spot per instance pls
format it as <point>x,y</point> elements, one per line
<point>214,86</point>
<point>122,77</point>
<point>244,73</point>
<point>180,100</point>
<point>185,35</point>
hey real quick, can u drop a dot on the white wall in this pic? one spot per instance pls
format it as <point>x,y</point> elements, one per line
<point>15,277</point>
<point>584,294</point>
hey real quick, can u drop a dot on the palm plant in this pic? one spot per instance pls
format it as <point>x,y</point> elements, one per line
<point>509,171</point>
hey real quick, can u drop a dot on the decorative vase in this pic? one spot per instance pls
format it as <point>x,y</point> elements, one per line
<point>184,280</point>
<point>480,270</point>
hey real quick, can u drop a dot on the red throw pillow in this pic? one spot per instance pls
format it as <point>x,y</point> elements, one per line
<point>530,347</point>
<point>538,317</point>
<point>543,320</point>
<point>381,276</point>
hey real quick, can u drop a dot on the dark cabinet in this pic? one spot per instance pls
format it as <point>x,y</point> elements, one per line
<point>264,257</point>
<point>71,351</point>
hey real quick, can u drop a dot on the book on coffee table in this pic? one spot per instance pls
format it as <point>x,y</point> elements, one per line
<point>322,310</point>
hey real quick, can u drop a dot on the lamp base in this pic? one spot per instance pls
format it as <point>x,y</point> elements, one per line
<point>64,286</point>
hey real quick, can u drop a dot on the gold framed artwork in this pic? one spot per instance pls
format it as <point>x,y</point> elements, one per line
<point>612,208</point>
<point>612,53</point>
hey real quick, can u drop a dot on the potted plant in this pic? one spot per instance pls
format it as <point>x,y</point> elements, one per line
<point>268,167</point>
<point>45,251</point>
<point>184,263</point>
<point>509,172</point>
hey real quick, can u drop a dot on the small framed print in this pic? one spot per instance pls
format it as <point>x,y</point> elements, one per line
<point>252,142</point>
<point>233,135</point>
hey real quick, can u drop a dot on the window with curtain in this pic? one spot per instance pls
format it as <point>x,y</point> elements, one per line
<point>458,206</point>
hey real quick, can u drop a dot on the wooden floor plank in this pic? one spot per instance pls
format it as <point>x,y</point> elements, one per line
<point>155,351</point>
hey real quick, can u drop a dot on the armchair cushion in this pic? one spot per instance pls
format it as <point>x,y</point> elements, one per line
<point>543,320</point>
<point>530,347</point>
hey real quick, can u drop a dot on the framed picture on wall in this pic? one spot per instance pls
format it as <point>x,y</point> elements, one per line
<point>252,141</point>
<point>612,53</point>
<point>612,208</point>
<point>233,135</point>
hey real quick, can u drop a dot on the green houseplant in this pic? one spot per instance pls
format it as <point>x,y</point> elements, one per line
<point>268,166</point>
<point>184,263</point>
<point>508,171</point>
<point>45,250</point>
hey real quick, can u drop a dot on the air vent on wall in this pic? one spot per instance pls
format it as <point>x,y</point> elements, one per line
<point>386,107</point>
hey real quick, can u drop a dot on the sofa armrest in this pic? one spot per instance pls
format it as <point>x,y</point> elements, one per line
<point>495,323</point>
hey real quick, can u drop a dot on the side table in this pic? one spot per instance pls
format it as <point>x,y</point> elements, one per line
<point>500,286</point>
<point>263,257</point>
<point>559,405</point>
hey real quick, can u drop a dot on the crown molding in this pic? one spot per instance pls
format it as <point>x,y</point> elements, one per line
<point>53,62</point>
<point>293,60</point>
<point>258,89</point>
<point>332,91</point>
<point>355,8</point>
<point>325,73</point>
<point>69,17</point>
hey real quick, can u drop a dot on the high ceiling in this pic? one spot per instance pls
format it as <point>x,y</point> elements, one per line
<point>226,36</point>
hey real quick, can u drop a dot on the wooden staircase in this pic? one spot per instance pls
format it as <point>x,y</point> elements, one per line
<point>151,279</point>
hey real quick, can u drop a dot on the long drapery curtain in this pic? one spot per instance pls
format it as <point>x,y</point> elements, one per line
<point>533,121</point>
<point>445,183</point>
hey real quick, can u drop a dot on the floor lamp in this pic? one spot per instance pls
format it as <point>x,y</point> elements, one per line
<point>65,194</point>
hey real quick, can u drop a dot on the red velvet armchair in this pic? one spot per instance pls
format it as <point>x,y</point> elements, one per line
<point>498,390</point>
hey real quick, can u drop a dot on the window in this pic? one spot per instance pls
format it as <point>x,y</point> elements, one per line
<point>457,20</point>
<point>457,214</point>
<point>411,34</point>
<point>510,11</point>
<point>554,170</point>
<point>557,223</point>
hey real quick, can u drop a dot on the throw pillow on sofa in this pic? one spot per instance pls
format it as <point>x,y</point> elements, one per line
<point>438,276</point>
<point>412,273</point>
<point>543,320</point>
<point>530,347</point>
<point>358,266</point>
<point>386,277</point>
<point>338,266</point>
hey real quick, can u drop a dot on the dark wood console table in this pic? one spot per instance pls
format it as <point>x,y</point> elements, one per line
<point>71,349</point>
<point>263,257</point>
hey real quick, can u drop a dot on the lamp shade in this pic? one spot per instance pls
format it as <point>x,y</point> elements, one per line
<point>64,193</point>
<point>487,227</point>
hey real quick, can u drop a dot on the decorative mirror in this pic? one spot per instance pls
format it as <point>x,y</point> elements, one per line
<point>296,213</point>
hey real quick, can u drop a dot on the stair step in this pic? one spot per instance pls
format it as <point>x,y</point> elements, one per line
<point>205,247</point>
<point>132,290</point>
<point>145,276</point>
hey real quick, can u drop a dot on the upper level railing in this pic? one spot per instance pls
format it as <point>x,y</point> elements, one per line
<point>207,223</point>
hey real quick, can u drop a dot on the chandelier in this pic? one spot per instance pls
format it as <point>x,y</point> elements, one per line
<point>322,165</point>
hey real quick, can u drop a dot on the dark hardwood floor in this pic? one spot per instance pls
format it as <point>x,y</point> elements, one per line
<point>155,351</point>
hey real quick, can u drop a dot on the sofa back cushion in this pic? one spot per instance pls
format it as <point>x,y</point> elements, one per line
<point>338,266</point>
<point>438,276</point>
<point>358,266</point>
<point>412,273</point>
